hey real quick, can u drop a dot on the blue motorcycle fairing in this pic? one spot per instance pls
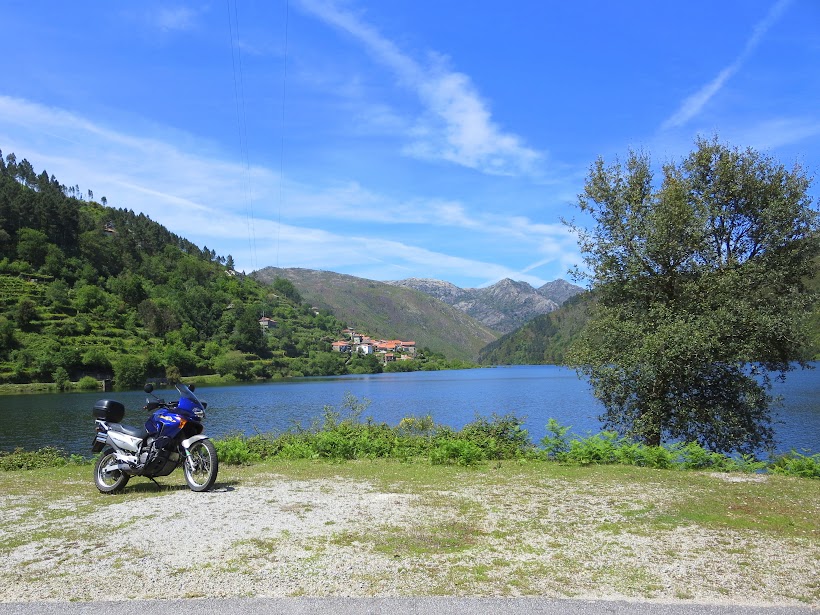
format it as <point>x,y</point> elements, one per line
<point>164,423</point>
<point>170,421</point>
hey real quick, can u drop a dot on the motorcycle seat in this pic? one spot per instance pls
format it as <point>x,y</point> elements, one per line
<point>136,432</point>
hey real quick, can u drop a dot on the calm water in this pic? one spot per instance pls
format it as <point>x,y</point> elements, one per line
<point>452,397</point>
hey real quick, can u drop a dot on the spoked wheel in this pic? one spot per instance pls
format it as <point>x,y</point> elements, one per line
<point>109,481</point>
<point>201,466</point>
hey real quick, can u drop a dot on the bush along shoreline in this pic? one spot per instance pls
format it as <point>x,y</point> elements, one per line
<point>342,435</point>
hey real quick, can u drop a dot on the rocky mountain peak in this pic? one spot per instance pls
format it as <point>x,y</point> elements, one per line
<point>441,290</point>
<point>559,290</point>
<point>503,306</point>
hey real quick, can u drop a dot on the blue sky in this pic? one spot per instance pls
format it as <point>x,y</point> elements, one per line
<point>398,138</point>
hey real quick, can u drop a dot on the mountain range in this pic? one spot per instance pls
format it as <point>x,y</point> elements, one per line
<point>455,321</point>
<point>504,306</point>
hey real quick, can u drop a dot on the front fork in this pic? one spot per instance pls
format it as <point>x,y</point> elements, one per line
<point>185,445</point>
<point>189,460</point>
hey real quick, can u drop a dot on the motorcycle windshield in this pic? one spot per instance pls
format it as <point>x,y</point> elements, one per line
<point>186,393</point>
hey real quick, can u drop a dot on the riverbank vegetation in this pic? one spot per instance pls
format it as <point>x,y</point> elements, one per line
<point>492,441</point>
<point>342,435</point>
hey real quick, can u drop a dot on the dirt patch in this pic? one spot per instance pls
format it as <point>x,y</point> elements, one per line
<point>282,537</point>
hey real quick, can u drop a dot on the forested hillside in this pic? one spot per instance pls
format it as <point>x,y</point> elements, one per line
<point>543,340</point>
<point>91,291</point>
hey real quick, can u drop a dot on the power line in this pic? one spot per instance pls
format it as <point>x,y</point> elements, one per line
<point>242,126</point>
<point>282,132</point>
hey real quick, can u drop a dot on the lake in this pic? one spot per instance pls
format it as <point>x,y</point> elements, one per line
<point>453,398</point>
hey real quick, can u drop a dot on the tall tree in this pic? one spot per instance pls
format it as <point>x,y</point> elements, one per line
<point>286,288</point>
<point>32,246</point>
<point>700,293</point>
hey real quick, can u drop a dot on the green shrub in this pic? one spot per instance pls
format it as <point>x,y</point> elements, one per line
<point>459,452</point>
<point>692,456</point>
<point>47,457</point>
<point>796,464</point>
<point>333,444</point>
<point>744,463</point>
<point>236,451</point>
<point>264,446</point>
<point>418,426</point>
<point>500,437</point>
<point>598,449</point>
<point>296,449</point>
<point>408,447</point>
<point>87,383</point>
<point>129,371</point>
<point>374,441</point>
<point>637,454</point>
<point>557,444</point>
<point>606,447</point>
<point>61,379</point>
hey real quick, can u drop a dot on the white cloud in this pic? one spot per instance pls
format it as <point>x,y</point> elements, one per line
<point>695,103</point>
<point>171,19</point>
<point>195,194</point>
<point>778,132</point>
<point>457,125</point>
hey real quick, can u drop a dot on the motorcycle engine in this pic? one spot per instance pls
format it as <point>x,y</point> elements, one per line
<point>158,451</point>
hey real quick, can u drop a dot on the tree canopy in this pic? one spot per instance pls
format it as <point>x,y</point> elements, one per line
<point>700,292</point>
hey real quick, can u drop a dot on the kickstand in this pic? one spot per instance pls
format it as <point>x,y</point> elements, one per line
<point>151,478</point>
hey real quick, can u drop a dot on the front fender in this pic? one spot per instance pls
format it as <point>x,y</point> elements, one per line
<point>186,444</point>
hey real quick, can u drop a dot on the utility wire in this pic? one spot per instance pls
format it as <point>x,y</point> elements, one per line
<point>242,126</point>
<point>282,132</point>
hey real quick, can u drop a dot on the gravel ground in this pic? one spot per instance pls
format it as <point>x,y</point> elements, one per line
<point>278,537</point>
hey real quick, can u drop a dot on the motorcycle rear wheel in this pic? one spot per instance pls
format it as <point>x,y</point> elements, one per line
<point>108,482</point>
<point>202,456</point>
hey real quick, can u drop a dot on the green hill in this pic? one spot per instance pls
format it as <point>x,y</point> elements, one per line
<point>93,292</point>
<point>388,311</point>
<point>543,340</point>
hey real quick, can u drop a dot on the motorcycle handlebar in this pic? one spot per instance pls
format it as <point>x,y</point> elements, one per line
<point>150,406</point>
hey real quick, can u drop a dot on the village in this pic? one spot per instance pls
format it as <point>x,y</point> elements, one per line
<point>390,350</point>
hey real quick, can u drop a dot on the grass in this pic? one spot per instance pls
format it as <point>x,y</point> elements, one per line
<point>419,539</point>
<point>37,387</point>
<point>775,505</point>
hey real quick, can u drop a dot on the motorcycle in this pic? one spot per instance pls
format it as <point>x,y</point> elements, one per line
<point>171,437</point>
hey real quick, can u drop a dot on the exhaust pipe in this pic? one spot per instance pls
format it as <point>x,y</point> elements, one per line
<point>121,466</point>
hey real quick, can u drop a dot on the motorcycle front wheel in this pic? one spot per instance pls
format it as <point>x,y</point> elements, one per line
<point>112,481</point>
<point>201,466</point>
